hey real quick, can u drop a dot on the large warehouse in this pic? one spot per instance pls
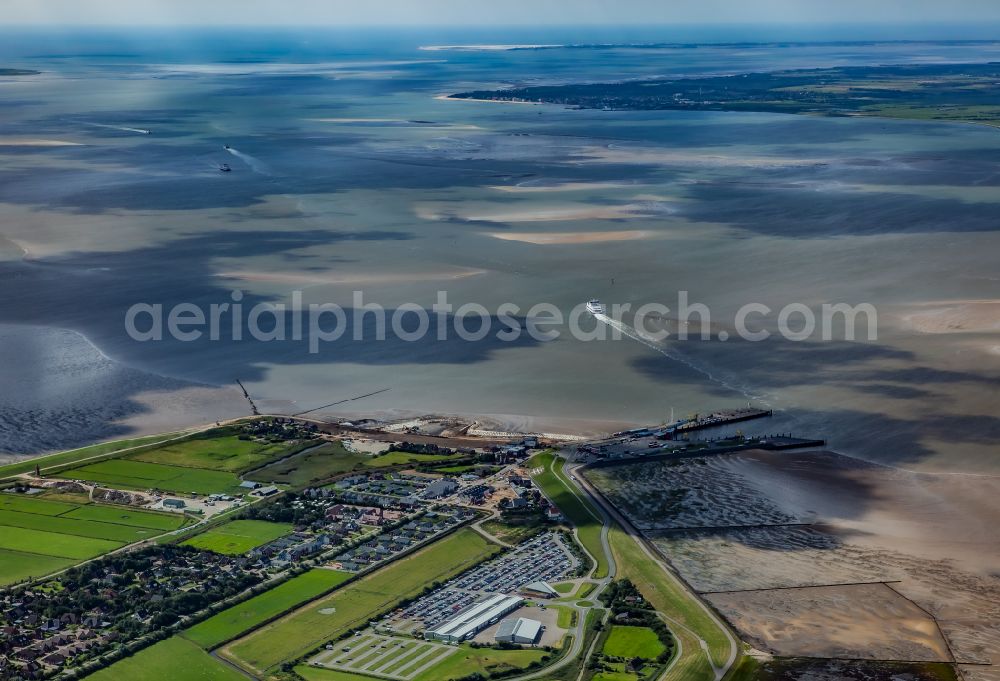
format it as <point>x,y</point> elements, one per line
<point>520,630</point>
<point>469,622</point>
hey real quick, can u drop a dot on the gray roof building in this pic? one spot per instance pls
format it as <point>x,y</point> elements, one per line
<point>542,589</point>
<point>470,621</point>
<point>520,630</point>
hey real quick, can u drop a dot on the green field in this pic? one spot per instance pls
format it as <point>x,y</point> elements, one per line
<point>16,566</point>
<point>64,458</point>
<point>140,475</point>
<point>399,458</point>
<point>566,616</point>
<point>251,613</point>
<point>299,632</point>
<point>218,452</point>
<point>585,518</point>
<point>478,468</point>
<point>67,524</point>
<point>125,516</point>
<point>318,674</point>
<point>311,465</point>
<point>174,659</point>
<point>629,642</point>
<point>513,534</point>
<point>570,591</point>
<point>31,504</point>
<point>238,536</point>
<point>456,470</point>
<point>54,544</point>
<point>483,661</point>
<point>669,597</point>
<point>614,676</point>
<point>40,536</point>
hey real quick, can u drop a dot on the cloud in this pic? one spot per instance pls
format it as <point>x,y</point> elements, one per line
<point>482,12</point>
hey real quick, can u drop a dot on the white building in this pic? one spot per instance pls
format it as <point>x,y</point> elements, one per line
<point>470,621</point>
<point>520,630</point>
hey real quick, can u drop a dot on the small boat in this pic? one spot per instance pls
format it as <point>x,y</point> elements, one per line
<point>225,168</point>
<point>595,306</point>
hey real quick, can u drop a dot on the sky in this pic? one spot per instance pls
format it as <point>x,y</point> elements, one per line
<point>494,12</point>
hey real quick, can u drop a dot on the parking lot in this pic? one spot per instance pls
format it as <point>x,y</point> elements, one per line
<point>543,558</point>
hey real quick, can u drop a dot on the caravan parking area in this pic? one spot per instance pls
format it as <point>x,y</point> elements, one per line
<point>390,657</point>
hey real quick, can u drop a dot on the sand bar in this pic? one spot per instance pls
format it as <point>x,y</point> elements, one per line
<point>631,155</point>
<point>35,142</point>
<point>524,188</point>
<point>954,316</point>
<point>558,214</point>
<point>337,278</point>
<point>551,238</point>
<point>483,48</point>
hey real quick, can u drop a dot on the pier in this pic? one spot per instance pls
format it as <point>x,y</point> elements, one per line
<point>719,418</point>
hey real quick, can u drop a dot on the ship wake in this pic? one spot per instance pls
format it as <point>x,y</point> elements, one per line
<point>673,355</point>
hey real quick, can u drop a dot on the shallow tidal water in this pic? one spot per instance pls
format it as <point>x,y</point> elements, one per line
<point>349,173</point>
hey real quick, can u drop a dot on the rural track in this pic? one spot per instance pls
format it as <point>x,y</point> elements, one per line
<point>239,670</point>
<point>479,529</point>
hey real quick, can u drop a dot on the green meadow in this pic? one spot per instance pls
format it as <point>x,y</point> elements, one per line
<point>253,612</point>
<point>306,628</point>
<point>205,463</point>
<point>398,458</point>
<point>238,536</point>
<point>126,516</point>
<point>218,452</point>
<point>23,503</point>
<point>320,674</point>
<point>632,642</point>
<point>175,659</point>
<point>484,661</point>
<point>16,566</point>
<point>41,536</point>
<point>311,465</point>
<point>73,455</point>
<point>141,475</point>
<point>67,524</point>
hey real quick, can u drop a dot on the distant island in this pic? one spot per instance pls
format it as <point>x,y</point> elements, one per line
<point>949,92</point>
<point>18,72</point>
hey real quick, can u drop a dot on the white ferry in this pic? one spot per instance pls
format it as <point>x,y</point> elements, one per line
<point>595,307</point>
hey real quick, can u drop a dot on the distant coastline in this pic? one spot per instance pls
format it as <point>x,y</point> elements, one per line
<point>691,45</point>
<point>961,93</point>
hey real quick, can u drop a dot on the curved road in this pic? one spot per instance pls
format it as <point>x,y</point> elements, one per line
<point>611,512</point>
<point>578,632</point>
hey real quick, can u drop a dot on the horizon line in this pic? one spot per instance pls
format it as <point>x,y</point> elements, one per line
<point>593,24</point>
